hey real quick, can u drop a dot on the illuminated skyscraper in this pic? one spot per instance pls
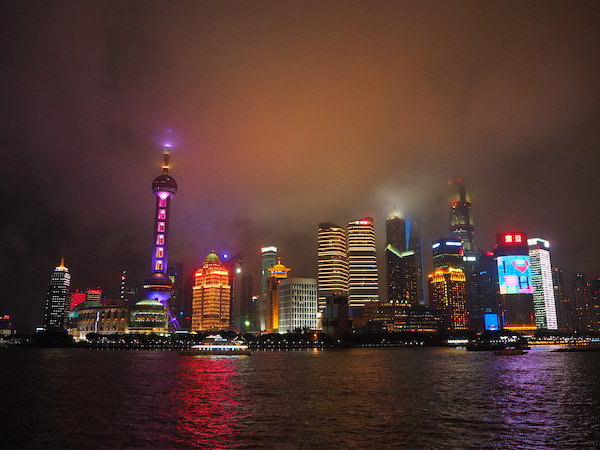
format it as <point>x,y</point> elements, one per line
<point>564,304</point>
<point>268,260</point>
<point>461,221</point>
<point>362,263</point>
<point>278,272</point>
<point>57,299</point>
<point>447,253</point>
<point>447,293</point>
<point>158,286</point>
<point>402,276</point>
<point>332,256</point>
<point>211,299</point>
<point>297,304</point>
<point>514,279</point>
<point>544,302</point>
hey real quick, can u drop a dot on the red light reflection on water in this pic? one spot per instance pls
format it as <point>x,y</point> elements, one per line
<point>209,412</point>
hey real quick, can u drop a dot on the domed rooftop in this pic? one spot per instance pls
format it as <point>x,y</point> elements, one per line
<point>149,302</point>
<point>212,258</point>
<point>164,183</point>
<point>158,279</point>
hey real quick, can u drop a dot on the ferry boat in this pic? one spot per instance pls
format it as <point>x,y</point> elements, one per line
<point>217,345</point>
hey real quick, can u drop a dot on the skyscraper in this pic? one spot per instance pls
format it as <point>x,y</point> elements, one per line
<point>268,260</point>
<point>401,276</point>
<point>278,273</point>
<point>447,293</point>
<point>586,313</point>
<point>57,299</point>
<point>332,263</point>
<point>447,253</point>
<point>297,304</point>
<point>362,263</point>
<point>461,221</point>
<point>544,302</point>
<point>447,284</point>
<point>415,244</point>
<point>395,231</point>
<point>564,305</point>
<point>514,279</point>
<point>158,286</point>
<point>211,298</point>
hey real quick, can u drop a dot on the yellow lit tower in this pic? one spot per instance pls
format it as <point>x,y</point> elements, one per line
<point>211,297</point>
<point>447,284</point>
<point>278,273</point>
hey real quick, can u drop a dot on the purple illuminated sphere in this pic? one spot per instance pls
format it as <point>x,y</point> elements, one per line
<point>164,186</point>
<point>158,286</point>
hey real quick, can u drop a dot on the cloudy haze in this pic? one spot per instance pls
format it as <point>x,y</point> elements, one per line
<point>287,114</point>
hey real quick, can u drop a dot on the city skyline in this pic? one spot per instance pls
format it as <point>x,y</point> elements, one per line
<point>386,105</point>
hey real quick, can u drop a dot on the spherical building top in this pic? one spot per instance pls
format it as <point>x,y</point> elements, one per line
<point>164,186</point>
<point>158,286</point>
<point>148,315</point>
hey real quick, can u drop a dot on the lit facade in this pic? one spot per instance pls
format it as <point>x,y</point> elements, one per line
<point>158,286</point>
<point>297,304</point>
<point>447,293</point>
<point>544,302</point>
<point>77,297</point>
<point>211,297</point>
<point>517,312</point>
<point>57,299</point>
<point>268,260</point>
<point>402,318</point>
<point>362,263</point>
<point>278,273</point>
<point>402,278</point>
<point>461,220</point>
<point>332,267</point>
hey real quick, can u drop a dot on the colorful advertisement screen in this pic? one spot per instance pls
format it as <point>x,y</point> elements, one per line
<point>514,275</point>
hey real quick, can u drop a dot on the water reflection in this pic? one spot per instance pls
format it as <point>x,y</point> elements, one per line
<point>208,402</point>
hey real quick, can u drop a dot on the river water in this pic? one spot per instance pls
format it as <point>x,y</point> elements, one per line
<point>354,398</point>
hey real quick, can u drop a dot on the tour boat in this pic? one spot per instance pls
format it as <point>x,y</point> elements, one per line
<point>217,345</point>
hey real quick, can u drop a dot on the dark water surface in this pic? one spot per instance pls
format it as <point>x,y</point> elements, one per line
<point>359,398</point>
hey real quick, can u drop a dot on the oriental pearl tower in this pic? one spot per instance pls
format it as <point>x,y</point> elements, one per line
<point>159,286</point>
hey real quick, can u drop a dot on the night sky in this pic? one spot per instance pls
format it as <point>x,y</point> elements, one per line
<point>286,114</point>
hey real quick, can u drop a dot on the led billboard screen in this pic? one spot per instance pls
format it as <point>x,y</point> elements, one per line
<point>514,275</point>
<point>491,321</point>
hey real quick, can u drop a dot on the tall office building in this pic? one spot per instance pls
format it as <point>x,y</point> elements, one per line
<point>447,253</point>
<point>486,305</point>
<point>461,221</point>
<point>402,281</point>
<point>158,286</point>
<point>268,260</point>
<point>564,305</point>
<point>242,306</point>
<point>175,302</point>
<point>586,314</point>
<point>544,302</point>
<point>278,273</point>
<point>332,262</point>
<point>395,231</point>
<point>57,299</point>
<point>297,305</point>
<point>447,294</point>
<point>514,278</point>
<point>211,296</point>
<point>415,244</point>
<point>362,263</point>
